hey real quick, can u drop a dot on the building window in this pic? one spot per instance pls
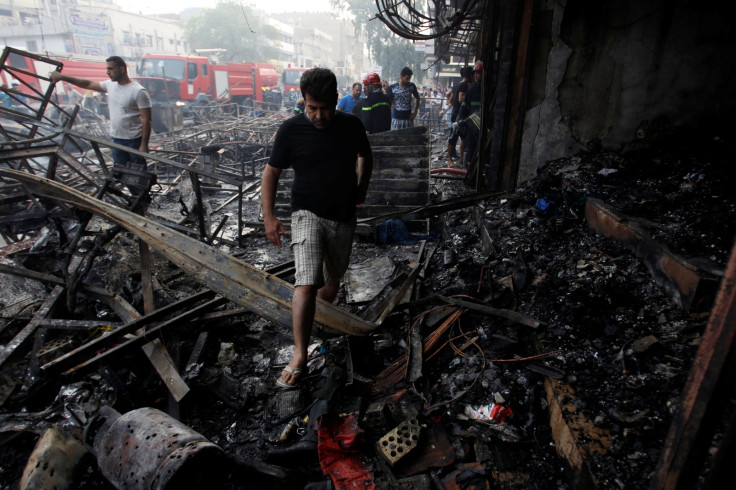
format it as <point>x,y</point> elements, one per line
<point>6,13</point>
<point>32,47</point>
<point>26,18</point>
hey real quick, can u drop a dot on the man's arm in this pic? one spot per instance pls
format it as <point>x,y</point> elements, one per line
<point>365,169</point>
<point>56,76</point>
<point>145,128</point>
<point>273,225</point>
<point>416,107</point>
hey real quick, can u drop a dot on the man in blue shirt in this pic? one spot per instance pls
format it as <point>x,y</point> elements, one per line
<point>400,94</point>
<point>347,103</point>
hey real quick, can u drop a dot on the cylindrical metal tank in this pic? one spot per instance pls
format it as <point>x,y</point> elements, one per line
<point>146,448</point>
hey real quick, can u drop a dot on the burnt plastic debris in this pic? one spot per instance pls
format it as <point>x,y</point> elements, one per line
<point>146,448</point>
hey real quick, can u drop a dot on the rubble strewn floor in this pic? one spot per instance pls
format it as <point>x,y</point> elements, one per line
<point>601,346</point>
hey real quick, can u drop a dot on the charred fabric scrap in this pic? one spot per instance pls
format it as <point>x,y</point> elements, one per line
<point>538,337</point>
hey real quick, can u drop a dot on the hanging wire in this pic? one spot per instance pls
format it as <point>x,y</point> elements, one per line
<point>404,18</point>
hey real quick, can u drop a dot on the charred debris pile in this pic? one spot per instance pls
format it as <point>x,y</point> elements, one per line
<point>529,339</point>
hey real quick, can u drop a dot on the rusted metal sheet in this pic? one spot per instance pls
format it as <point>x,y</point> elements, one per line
<point>262,293</point>
<point>708,379</point>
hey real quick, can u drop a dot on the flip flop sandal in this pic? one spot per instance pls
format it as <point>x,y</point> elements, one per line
<point>294,373</point>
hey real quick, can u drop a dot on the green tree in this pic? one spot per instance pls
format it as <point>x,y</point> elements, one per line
<point>387,49</point>
<point>235,28</point>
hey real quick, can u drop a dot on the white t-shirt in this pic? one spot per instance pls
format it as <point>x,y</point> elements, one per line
<point>125,103</point>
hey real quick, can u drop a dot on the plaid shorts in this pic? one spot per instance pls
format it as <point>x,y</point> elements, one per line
<point>401,124</point>
<point>321,248</point>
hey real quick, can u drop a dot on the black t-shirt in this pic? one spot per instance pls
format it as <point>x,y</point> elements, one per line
<point>324,163</point>
<point>460,87</point>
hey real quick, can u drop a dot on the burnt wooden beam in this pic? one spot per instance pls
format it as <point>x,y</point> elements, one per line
<point>705,397</point>
<point>512,316</point>
<point>22,153</point>
<point>64,324</point>
<point>240,282</point>
<point>197,350</point>
<point>405,286</point>
<point>31,327</point>
<point>87,350</point>
<point>165,366</point>
<point>109,355</point>
<point>688,285</point>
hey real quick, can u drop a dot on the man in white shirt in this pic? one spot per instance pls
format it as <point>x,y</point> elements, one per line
<point>130,110</point>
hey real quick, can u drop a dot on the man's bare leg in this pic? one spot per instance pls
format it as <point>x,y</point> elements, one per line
<point>328,292</point>
<point>303,304</point>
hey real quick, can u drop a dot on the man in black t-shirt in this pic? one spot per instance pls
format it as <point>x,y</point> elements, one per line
<point>473,95</point>
<point>458,99</point>
<point>332,162</point>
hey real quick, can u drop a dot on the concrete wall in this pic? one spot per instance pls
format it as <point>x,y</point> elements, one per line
<point>599,70</point>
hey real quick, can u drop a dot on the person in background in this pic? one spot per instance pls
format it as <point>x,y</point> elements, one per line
<point>332,162</point>
<point>299,106</point>
<point>18,101</point>
<point>471,106</point>
<point>130,111</point>
<point>446,111</point>
<point>473,94</point>
<point>400,94</point>
<point>347,103</point>
<point>458,99</point>
<point>375,109</point>
<point>129,104</point>
<point>4,97</point>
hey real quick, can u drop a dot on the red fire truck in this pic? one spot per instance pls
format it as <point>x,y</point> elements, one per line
<point>194,79</point>
<point>30,67</point>
<point>290,80</point>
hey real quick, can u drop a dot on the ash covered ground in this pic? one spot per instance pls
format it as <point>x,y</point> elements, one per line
<point>609,333</point>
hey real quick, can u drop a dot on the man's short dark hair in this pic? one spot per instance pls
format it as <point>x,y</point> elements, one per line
<point>466,71</point>
<point>320,84</point>
<point>406,71</point>
<point>118,61</point>
<point>358,84</point>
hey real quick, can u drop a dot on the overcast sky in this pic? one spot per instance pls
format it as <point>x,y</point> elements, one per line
<point>175,6</point>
